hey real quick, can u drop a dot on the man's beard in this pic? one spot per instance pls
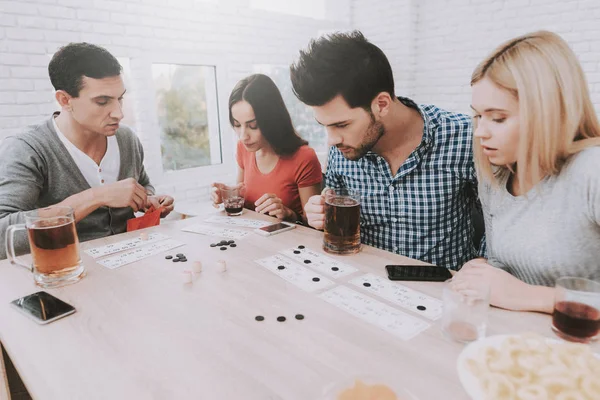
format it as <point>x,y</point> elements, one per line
<point>375,131</point>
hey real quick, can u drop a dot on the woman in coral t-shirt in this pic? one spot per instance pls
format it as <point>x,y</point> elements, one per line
<point>280,171</point>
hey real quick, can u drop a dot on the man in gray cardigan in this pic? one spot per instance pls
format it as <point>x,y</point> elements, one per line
<point>80,157</point>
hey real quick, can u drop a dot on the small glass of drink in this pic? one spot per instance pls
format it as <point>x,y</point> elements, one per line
<point>576,315</point>
<point>464,318</point>
<point>342,221</point>
<point>233,199</point>
<point>54,246</point>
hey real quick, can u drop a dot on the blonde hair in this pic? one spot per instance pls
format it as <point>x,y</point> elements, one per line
<point>556,116</point>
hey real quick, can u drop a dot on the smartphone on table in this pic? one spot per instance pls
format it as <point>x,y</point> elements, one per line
<point>42,307</point>
<point>430,273</point>
<point>274,229</point>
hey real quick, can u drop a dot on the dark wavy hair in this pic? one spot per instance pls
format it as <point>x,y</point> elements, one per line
<point>344,64</point>
<point>272,116</point>
<point>72,62</point>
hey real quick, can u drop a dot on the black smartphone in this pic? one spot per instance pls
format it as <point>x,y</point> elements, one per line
<point>42,307</point>
<point>417,273</point>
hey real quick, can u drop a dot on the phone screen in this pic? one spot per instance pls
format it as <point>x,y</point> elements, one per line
<point>417,273</point>
<point>43,306</point>
<point>274,227</point>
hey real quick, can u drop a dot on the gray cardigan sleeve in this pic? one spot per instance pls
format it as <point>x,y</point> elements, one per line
<point>21,182</point>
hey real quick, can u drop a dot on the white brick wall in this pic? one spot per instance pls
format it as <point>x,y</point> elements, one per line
<point>143,31</point>
<point>454,35</point>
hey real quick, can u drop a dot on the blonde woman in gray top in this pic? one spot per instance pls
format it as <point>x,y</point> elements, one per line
<point>538,161</point>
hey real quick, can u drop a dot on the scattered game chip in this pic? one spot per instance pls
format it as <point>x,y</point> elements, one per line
<point>183,259</point>
<point>366,284</point>
<point>296,251</point>
<point>281,267</point>
<point>230,242</point>
<point>214,244</point>
<point>233,245</point>
<point>301,247</point>
<point>168,257</point>
<point>176,260</point>
<point>307,261</point>
<point>180,255</point>
<point>315,279</point>
<point>281,319</point>
<point>421,308</point>
<point>299,317</point>
<point>223,243</point>
<point>223,248</point>
<point>335,269</point>
<point>259,318</point>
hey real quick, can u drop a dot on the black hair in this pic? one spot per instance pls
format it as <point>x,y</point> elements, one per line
<point>272,116</point>
<point>74,61</point>
<point>344,64</point>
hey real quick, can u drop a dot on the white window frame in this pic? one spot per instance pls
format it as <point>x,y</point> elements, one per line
<point>149,128</point>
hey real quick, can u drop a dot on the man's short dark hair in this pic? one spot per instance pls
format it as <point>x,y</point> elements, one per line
<point>344,64</point>
<point>74,61</point>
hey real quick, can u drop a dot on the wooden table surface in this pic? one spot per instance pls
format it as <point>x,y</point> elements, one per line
<point>140,333</point>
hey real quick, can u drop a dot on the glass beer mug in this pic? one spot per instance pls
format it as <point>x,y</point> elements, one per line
<point>54,244</point>
<point>342,221</point>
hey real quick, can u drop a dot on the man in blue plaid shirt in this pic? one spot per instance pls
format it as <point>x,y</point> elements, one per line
<point>413,165</point>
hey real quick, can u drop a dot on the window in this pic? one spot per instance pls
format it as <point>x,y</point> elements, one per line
<point>302,115</point>
<point>187,111</point>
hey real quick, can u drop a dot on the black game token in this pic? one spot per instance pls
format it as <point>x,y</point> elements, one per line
<point>280,319</point>
<point>281,267</point>
<point>183,259</point>
<point>168,257</point>
<point>176,260</point>
<point>421,308</point>
<point>307,261</point>
<point>301,247</point>
<point>299,316</point>
<point>259,318</point>
<point>230,242</point>
<point>315,279</point>
<point>296,251</point>
<point>214,244</point>
<point>180,255</point>
<point>223,248</point>
<point>335,269</point>
<point>233,245</point>
<point>366,284</point>
<point>223,243</point>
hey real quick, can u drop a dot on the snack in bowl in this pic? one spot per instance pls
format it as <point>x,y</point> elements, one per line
<point>363,391</point>
<point>531,367</point>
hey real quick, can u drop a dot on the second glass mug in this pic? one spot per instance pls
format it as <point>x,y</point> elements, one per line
<point>55,259</point>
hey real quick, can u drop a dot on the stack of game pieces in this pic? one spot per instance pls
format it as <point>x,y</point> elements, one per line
<point>223,244</point>
<point>179,257</point>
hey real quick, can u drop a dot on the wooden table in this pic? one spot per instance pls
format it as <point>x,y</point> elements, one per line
<point>140,333</point>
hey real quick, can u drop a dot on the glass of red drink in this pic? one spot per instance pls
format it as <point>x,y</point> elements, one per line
<point>576,315</point>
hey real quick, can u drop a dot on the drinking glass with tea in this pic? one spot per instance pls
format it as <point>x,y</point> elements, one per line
<point>342,221</point>
<point>54,244</point>
<point>576,315</point>
<point>233,199</point>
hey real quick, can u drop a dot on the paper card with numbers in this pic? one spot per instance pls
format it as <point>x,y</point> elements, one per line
<point>129,244</point>
<point>407,298</point>
<point>294,273</point>
<point>319,262</point>
<point>223,233</point>
<point>394,321</point>
<point>237,221</point>
<point>131,256</point>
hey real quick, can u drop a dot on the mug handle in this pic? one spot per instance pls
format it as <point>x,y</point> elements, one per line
<point>10,247</point>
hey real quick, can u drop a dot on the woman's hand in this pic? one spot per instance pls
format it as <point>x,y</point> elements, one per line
<point>272,205</point>
<point>215,194</point>
<point>506,291</point>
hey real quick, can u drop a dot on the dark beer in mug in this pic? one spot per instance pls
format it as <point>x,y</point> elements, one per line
<point>342,221</point>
